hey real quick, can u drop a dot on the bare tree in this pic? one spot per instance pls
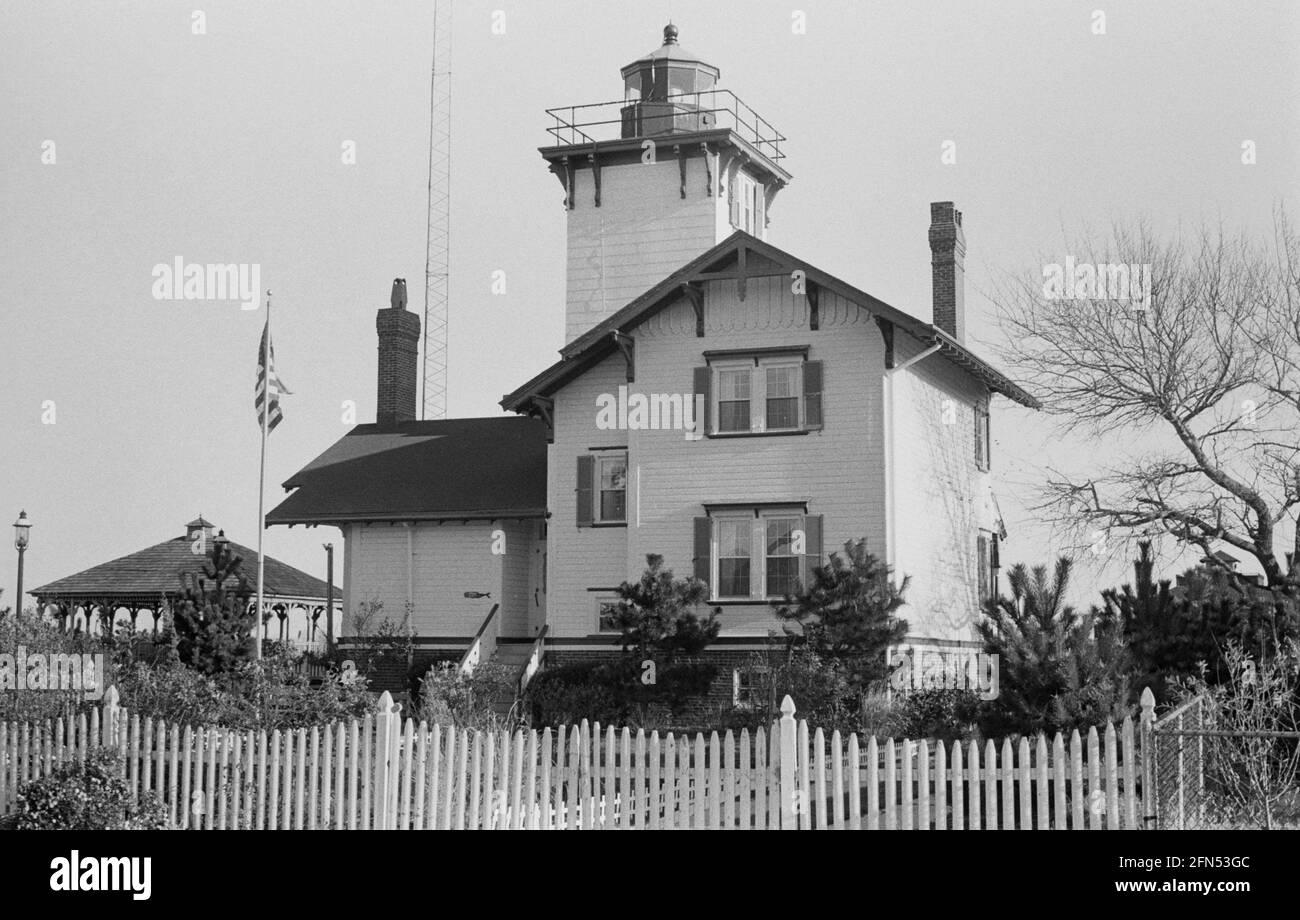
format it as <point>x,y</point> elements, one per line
<point>1194,393</point>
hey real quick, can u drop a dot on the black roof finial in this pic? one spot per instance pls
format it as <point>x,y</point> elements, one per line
<point>670,34</point>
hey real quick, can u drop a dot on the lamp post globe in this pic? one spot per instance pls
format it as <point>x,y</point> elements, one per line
<point>22,535</point>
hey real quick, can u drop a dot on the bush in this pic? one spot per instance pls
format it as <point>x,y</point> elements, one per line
<point>657,677</point>
<point>448,698</point>
<point>268,694</point>
<point>942,714</point>
<point>1059,669</point>
<point>89,796</point>
<point>1252,773</point>
<point>568,694</point>
<point>847,614</point>
<point>820,690</point>
<point>39,636</point>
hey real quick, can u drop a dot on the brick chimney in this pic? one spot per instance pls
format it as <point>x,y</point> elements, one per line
<point>947,271</point>
<point>399,352</point>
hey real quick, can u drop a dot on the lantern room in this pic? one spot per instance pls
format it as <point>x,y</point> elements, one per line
<point>663,92</point>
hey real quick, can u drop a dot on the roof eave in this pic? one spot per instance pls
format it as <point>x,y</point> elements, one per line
<point>386,517</point>
<point>958,354</point>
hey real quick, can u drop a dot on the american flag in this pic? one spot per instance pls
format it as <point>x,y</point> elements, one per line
<point>265,368</point>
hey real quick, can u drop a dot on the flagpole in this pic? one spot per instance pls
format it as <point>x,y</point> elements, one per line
<point>261,474</point>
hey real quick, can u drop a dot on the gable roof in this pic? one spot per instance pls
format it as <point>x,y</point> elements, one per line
<point>146,575</point>
<point>452,469</point>
<point>759,257</point>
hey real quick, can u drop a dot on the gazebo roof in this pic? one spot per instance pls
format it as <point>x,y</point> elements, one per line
<point>143,577</point>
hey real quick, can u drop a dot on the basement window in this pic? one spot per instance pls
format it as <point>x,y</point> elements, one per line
<point>606,615</point>
<point>745,688</point>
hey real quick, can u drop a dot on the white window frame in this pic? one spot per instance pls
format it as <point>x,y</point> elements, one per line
<point>760,374</point>
<point>598,602</point>
<point>598,512</point>
<point>757,550</point>
<point>715,559</point>
<point>765,520</point>
<point>757,392</point>
<point>736,701</point>
<point>747,189</point>
<point>745,365</point>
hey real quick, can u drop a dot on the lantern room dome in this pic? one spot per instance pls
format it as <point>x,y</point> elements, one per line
<point>669,70</point>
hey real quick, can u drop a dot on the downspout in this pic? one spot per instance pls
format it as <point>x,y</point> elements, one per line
<point>891,529</point>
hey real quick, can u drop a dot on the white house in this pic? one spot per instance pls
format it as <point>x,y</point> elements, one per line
<point>718,401</point>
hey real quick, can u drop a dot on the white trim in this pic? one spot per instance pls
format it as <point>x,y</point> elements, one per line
<point>891,503</point>
<point>757,549</point>
<point>757,368</point>
<point>598,601</point>
<point>598,512</point>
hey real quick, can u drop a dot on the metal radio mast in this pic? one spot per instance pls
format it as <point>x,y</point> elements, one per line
<point>437,244</point>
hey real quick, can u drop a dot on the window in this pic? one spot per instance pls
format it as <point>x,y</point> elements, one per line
<point>986,559</point>
<point>782,395</point>
<point>606,612</point>
<point>601,492</point>
<point>762,393</point>
<point>747,202</point>
<point>733,399</point>
<point>756,554</point>
<point>613,489</point>
<point>734,538</point>
<point>982,439</point>
<point>782,564</point>
<point>746,687</point>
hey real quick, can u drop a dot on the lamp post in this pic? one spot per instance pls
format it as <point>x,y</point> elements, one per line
<point>329,596</point>
<point>21,528</point>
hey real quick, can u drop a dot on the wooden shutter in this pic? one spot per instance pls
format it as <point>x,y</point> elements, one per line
<point>812,547</point>
<point>983,440</point>
<point>703,547</point>
<point>982,551</point>
<point>703,386</point>
<point>734,188</point>
<point>586,489</point>
<point>812,394</point>
<point>988,439</point>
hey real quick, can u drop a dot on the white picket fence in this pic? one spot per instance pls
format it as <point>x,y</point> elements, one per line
<point>385,773</point>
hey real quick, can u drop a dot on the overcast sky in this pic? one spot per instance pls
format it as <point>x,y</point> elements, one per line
<point>226,147</point>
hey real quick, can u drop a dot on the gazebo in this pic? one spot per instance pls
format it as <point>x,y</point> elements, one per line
<point>148,581</point>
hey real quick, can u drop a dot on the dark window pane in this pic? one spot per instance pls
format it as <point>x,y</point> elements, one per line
<point>613,506</point>
<point>733,578</point>
<point>733,416</point>
<point>782,573</point>
<point>783,413</point>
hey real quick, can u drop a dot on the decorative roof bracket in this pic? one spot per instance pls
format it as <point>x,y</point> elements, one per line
<point>627,345</point>
<point>695,294</point>
<point>595,174</point>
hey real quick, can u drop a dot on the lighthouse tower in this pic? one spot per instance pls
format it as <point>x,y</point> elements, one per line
<point>655,179</point>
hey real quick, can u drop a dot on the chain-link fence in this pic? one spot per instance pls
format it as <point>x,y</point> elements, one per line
<point>1206,775</point>
<point>1178,752</point>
